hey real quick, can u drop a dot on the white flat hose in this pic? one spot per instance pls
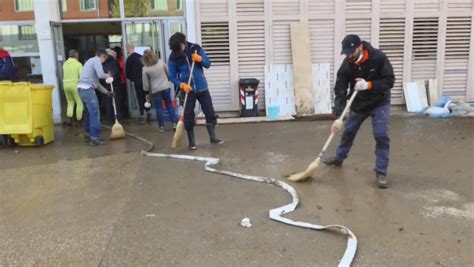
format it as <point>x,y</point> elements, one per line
<point>274,214</point>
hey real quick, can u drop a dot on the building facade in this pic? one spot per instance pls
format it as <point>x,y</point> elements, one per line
<point>424,39</point>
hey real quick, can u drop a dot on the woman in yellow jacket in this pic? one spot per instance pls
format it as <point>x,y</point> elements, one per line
<point>72,69</point>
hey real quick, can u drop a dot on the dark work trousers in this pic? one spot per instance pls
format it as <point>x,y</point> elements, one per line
<point>140,96</point>
<point>380,129</point>
<point>205,100</point>
<point>121,100</point>
<point>109,108</point>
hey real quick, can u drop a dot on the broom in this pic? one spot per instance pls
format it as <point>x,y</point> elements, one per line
<point>117,129</point>
<point>315,164</point>
<point>178,134</point>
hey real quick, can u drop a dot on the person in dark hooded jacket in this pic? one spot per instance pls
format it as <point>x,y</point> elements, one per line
<point>111,66</point>
<point>179,68</point>
<point>7,67</point>
<point>367,70</point>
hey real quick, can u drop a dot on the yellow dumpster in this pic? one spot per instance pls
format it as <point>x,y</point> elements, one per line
<point>26,113</point>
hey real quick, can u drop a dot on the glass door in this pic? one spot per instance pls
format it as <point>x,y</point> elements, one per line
<point>144,34</point>
<point>58,39</point>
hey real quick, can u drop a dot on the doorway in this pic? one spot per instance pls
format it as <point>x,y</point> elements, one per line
<point>87,37</point>
<point>149,34</point>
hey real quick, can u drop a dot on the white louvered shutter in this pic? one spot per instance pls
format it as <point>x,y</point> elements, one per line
<point>358,6</point>
<point>390,7</point>
<point>214,29</point>
<point>322,34</point>
<point>458,34</point>
<point>322,44</point>
<point>251,43</point>
<point>423,6</point>
<point>215,41</point>
<point>460,5</point>
<point>282,42</point>
<point>424,48</point>
<point>285,8</point>
<point>250,8</point>
<point>361,27</point>
<point>281,35</point>
<point>391,42</point>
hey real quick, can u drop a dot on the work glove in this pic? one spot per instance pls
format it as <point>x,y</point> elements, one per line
<point>186,88</point>
<point>336,126</point>
<point>109,80</point>
<point>196,58</point>
<point>361,85</point>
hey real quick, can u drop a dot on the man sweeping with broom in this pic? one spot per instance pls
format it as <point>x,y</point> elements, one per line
<point>181,72</point>
<point>368,71</point>
<point>88,83</point>
<point>369,75</point>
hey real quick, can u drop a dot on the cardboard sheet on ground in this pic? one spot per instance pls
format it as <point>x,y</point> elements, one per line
<point>433,91</point>
<point>302,72</point>
<point>415,96</point>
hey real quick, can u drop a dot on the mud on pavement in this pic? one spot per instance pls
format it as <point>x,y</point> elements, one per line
<point>68,203</point>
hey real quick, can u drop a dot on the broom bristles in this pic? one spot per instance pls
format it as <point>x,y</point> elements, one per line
<point>178,135</point>
<point>117,131</point>
<point>305,174</point>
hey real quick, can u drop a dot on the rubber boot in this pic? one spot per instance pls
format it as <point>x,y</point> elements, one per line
<point>191,140</point>
<point>211,129</point>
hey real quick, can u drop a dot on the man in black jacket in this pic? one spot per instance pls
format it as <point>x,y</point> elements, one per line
<point>112,67</point>
<point>133,71</point>
<point>367,70</point>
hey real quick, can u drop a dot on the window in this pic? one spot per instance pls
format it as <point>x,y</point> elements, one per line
<point>179,5</point>
<point>87,5</point>
<point>63,5</point>
<point>26,32</point>
<point>12,39</point>
<point>23,5</point>
<point>159,5</point>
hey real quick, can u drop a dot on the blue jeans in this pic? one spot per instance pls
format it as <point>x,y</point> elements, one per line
<point>91,113</point>
<point>380,128</point>
<point>159,97</point>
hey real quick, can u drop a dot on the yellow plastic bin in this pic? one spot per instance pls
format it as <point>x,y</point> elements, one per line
<point>26,113</point>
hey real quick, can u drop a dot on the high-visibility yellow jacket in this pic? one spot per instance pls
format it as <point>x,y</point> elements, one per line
<point>72,69</point>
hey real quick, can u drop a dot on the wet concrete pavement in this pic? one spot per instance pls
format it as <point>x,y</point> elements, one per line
<point>71,204</point>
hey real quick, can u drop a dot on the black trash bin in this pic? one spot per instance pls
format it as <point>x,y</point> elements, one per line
<point>248,89</point>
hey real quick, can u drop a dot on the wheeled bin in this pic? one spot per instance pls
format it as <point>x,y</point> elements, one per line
<point>26,113</point>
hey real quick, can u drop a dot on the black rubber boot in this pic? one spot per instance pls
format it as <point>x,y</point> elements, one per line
<point>191,140</point>
<point>333,161</point>
<point>382,182</point>
<point>211,129</point>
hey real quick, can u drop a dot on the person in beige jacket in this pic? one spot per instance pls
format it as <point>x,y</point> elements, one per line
<point>156,85</point>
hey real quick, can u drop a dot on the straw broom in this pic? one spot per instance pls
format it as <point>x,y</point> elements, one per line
<point>315,164</point>
<point>178,134</point>
<point>117,129</point>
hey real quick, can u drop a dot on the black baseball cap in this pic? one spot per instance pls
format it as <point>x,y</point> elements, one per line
<point>350,43</point>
